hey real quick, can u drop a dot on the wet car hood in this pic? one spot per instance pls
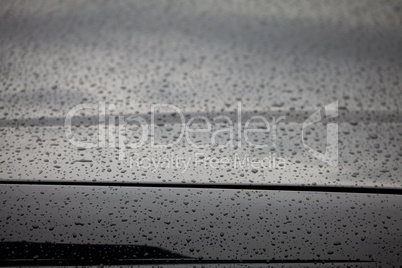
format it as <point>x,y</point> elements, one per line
<point>206,62</point>
<point>326,77</point>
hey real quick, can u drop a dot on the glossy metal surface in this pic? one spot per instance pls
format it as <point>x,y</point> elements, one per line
<point>277,58</point>
<point>210,224</point>
<point>274,58</point>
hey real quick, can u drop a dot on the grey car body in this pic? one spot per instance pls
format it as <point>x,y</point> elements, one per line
<point>221,62</point>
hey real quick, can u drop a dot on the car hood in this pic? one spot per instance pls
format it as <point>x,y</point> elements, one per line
<point>206,62</point>
<point>297,156</point>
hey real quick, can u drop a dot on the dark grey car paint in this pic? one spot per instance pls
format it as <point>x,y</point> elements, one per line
<point>278,58</point>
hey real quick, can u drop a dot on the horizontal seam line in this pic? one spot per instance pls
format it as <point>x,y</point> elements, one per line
<point>295,188</point>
